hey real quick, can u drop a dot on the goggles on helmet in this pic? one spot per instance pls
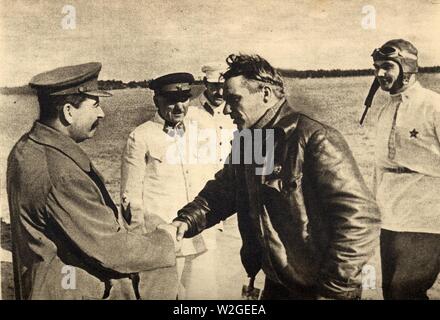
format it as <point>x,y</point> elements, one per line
<point>387,52</point>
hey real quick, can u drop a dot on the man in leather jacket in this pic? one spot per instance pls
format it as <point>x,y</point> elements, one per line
<point>309,221</point>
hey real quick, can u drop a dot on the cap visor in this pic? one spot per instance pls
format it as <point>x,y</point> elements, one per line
<point>177,93</point>
<point>215,80</point>
<point>98,93</point>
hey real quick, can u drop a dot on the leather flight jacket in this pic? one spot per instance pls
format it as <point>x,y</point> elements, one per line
<point>311,222</point>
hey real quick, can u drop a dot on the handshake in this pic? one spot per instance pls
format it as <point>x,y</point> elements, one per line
<point>177,230</point>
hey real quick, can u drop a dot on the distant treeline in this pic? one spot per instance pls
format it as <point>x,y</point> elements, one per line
<point>118,84</point>
<point>302,74</point>
<point>288,73</point>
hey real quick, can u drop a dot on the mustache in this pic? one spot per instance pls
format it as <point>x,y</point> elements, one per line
<point>178,110</point>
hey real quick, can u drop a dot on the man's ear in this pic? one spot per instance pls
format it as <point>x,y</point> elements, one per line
<point>156,101</point>
<point>267,93</point>
<point>67,113</point>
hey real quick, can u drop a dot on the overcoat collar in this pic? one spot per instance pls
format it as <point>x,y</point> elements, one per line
<point>43,134</point>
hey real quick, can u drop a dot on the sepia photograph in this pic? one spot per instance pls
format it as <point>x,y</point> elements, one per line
<point>220,150</point>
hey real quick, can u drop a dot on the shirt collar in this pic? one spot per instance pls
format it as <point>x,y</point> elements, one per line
<point>204,102</point>
<point>208,108</point>
<point>411,91</point>
<point>48,136</point>
<point>168,128</point>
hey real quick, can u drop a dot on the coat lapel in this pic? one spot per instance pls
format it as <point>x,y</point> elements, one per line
<point>50,137</point>
<point>283,123</point>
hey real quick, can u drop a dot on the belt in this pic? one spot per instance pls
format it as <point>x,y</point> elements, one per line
<point>399,170</point>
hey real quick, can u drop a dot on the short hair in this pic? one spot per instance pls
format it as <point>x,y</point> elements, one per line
<point>50,106</point>
<point>256,70</point>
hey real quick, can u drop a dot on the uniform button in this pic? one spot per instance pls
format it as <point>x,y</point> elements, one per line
<point>221,127</point>
<point>220,143</point>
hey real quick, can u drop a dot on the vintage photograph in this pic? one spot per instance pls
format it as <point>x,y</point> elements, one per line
<point>220,150</point>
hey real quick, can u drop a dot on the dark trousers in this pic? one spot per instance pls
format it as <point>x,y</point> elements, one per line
<point>275,291</point>
<point>410,264</point>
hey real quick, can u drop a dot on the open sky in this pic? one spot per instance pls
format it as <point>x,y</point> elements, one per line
<point>138,40</point>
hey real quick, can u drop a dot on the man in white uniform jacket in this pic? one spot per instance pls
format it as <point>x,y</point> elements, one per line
<point>211,101</point>
<point>166,162</point>
<point>407,174</point>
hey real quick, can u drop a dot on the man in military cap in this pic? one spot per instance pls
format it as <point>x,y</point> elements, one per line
<point>407,173</point>
<point>163,167</point>
<point>211,100</point>
<point>67,242</point>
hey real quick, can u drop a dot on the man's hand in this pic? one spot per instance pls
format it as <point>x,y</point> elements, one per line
<point>182,227</point>
<point>173,231</point>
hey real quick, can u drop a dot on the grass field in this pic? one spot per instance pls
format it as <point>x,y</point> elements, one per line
<point>335,101</point>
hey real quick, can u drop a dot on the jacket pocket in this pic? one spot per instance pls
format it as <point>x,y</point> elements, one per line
<point>156,153</point>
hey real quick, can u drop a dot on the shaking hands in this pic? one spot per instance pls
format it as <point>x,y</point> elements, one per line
<point>177,230</point>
